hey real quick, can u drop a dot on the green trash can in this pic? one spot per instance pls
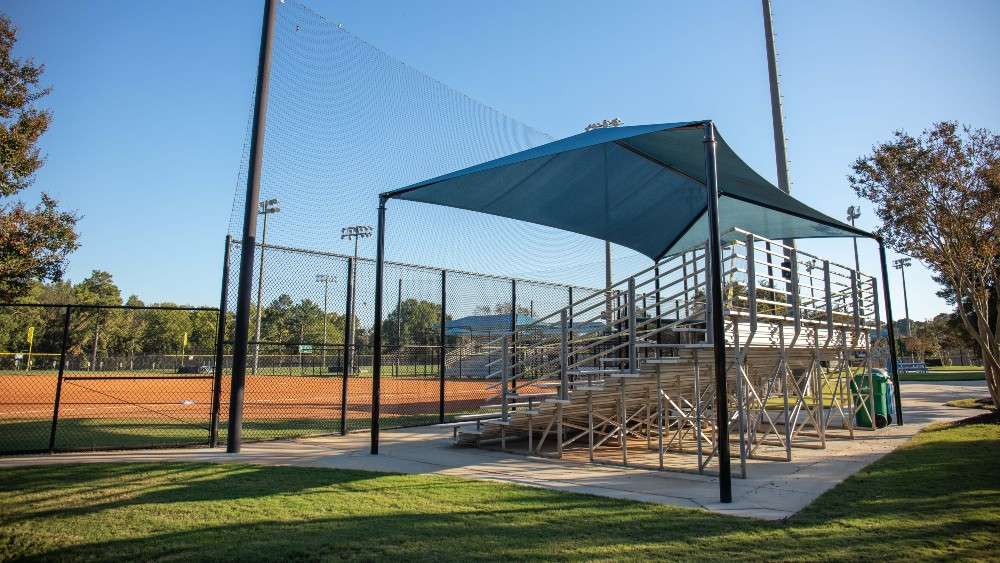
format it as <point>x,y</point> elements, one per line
<point>883,396</point>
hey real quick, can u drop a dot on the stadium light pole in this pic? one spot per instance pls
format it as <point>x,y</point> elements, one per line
<point>853,212</point>
<point>326,280</point>
<point>265,208</point>
<point>778,126</point>
<point>355,233</point>
<point>604,124</point>
<point>901,264</point>
<point>245,284</point>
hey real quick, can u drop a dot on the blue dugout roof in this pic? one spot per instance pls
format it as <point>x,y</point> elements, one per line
<point>642,187</point>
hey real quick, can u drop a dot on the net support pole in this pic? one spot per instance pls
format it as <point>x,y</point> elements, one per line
<point>891,334</point>
<point>718,327</point>
<point>443,349</point>
<point>377,329</point>
<point>244,287</point>
<point>348,344</point>
<point>220,337</point>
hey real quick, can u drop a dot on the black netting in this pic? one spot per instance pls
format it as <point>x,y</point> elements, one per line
<point>346,121</point>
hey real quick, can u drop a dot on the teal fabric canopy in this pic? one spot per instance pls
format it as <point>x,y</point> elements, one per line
<point>642,187</point>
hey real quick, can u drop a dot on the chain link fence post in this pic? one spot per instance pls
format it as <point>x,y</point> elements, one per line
<point>59,380</point>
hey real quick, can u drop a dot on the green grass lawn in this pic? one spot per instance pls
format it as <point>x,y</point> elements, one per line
<point>938,374</point>
<point>985,403</point>
<point>911,504</point>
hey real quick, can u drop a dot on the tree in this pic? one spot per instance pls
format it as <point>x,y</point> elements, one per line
<point>923,342</point>
<point>938,198</point>
<point>97,289</point>
<point>420,324</point>
<point>34,242</point>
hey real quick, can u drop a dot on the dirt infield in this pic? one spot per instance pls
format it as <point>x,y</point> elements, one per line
<point>189,397</point>
<point>130,409</point>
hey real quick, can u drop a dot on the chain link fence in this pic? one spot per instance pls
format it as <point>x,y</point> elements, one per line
<point>88,377</point>
<point>310,358</point>
<point>94,377</point>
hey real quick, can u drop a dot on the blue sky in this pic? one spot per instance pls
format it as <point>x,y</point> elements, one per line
<point>151,99</point>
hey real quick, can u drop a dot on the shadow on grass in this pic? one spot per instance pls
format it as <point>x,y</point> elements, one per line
<point>939,496</point>
<point>92,434</point>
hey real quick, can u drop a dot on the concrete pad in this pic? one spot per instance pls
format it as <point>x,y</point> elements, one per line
<point>773,490</point>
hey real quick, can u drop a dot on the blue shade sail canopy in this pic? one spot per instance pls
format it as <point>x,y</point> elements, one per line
<point>642,187</point>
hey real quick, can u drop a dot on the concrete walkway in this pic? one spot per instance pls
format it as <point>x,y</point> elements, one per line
<point>773,490</point>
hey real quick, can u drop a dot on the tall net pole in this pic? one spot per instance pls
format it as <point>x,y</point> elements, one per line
<point>245,284</point>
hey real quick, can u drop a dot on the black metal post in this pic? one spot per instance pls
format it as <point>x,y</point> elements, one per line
<point>348,344</point>
<point>244,287</point>
<point>443,350</point>
<point>377,329</point>
<point>399,327</point>
<point>891,334</point>
<point>513,332</point>
<point>718,326</point>
<point>220,338</point>
<point>59,380</point>
<point>569,308</point>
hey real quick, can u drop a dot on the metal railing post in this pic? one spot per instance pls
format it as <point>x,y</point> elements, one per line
<point>659,314</point>
<point>751,283</point>
<point>633,362</point>
<point>875,306</point>
<point>855,302</point>
<point>793,267</point>
<point>569,310</point>
<point>504,378</point>
<point>563,356</point>
<point>59,380</point>
<point>829,298</point>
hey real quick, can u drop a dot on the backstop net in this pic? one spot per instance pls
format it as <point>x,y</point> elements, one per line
<point>345,122</point>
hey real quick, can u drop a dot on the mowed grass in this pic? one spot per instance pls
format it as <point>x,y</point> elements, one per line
<point>936,498</point>
<point>946,373</point>
<point>985,403</point>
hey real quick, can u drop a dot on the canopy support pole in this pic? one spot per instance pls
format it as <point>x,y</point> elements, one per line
<point>377,329</point>
<point>891,333</point>
<point>718,323</point>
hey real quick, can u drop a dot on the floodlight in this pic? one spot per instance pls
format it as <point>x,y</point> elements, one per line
<point>268,206</point>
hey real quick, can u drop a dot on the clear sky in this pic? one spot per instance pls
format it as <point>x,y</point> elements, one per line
<point>151,99</point>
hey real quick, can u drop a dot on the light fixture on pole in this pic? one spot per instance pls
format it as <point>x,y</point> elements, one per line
<point>853,212</point>
<point>326,280</point>
<point>355,233</point>
<point>901,264</point>
<point>811,265</point>
<point>265,208</point>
